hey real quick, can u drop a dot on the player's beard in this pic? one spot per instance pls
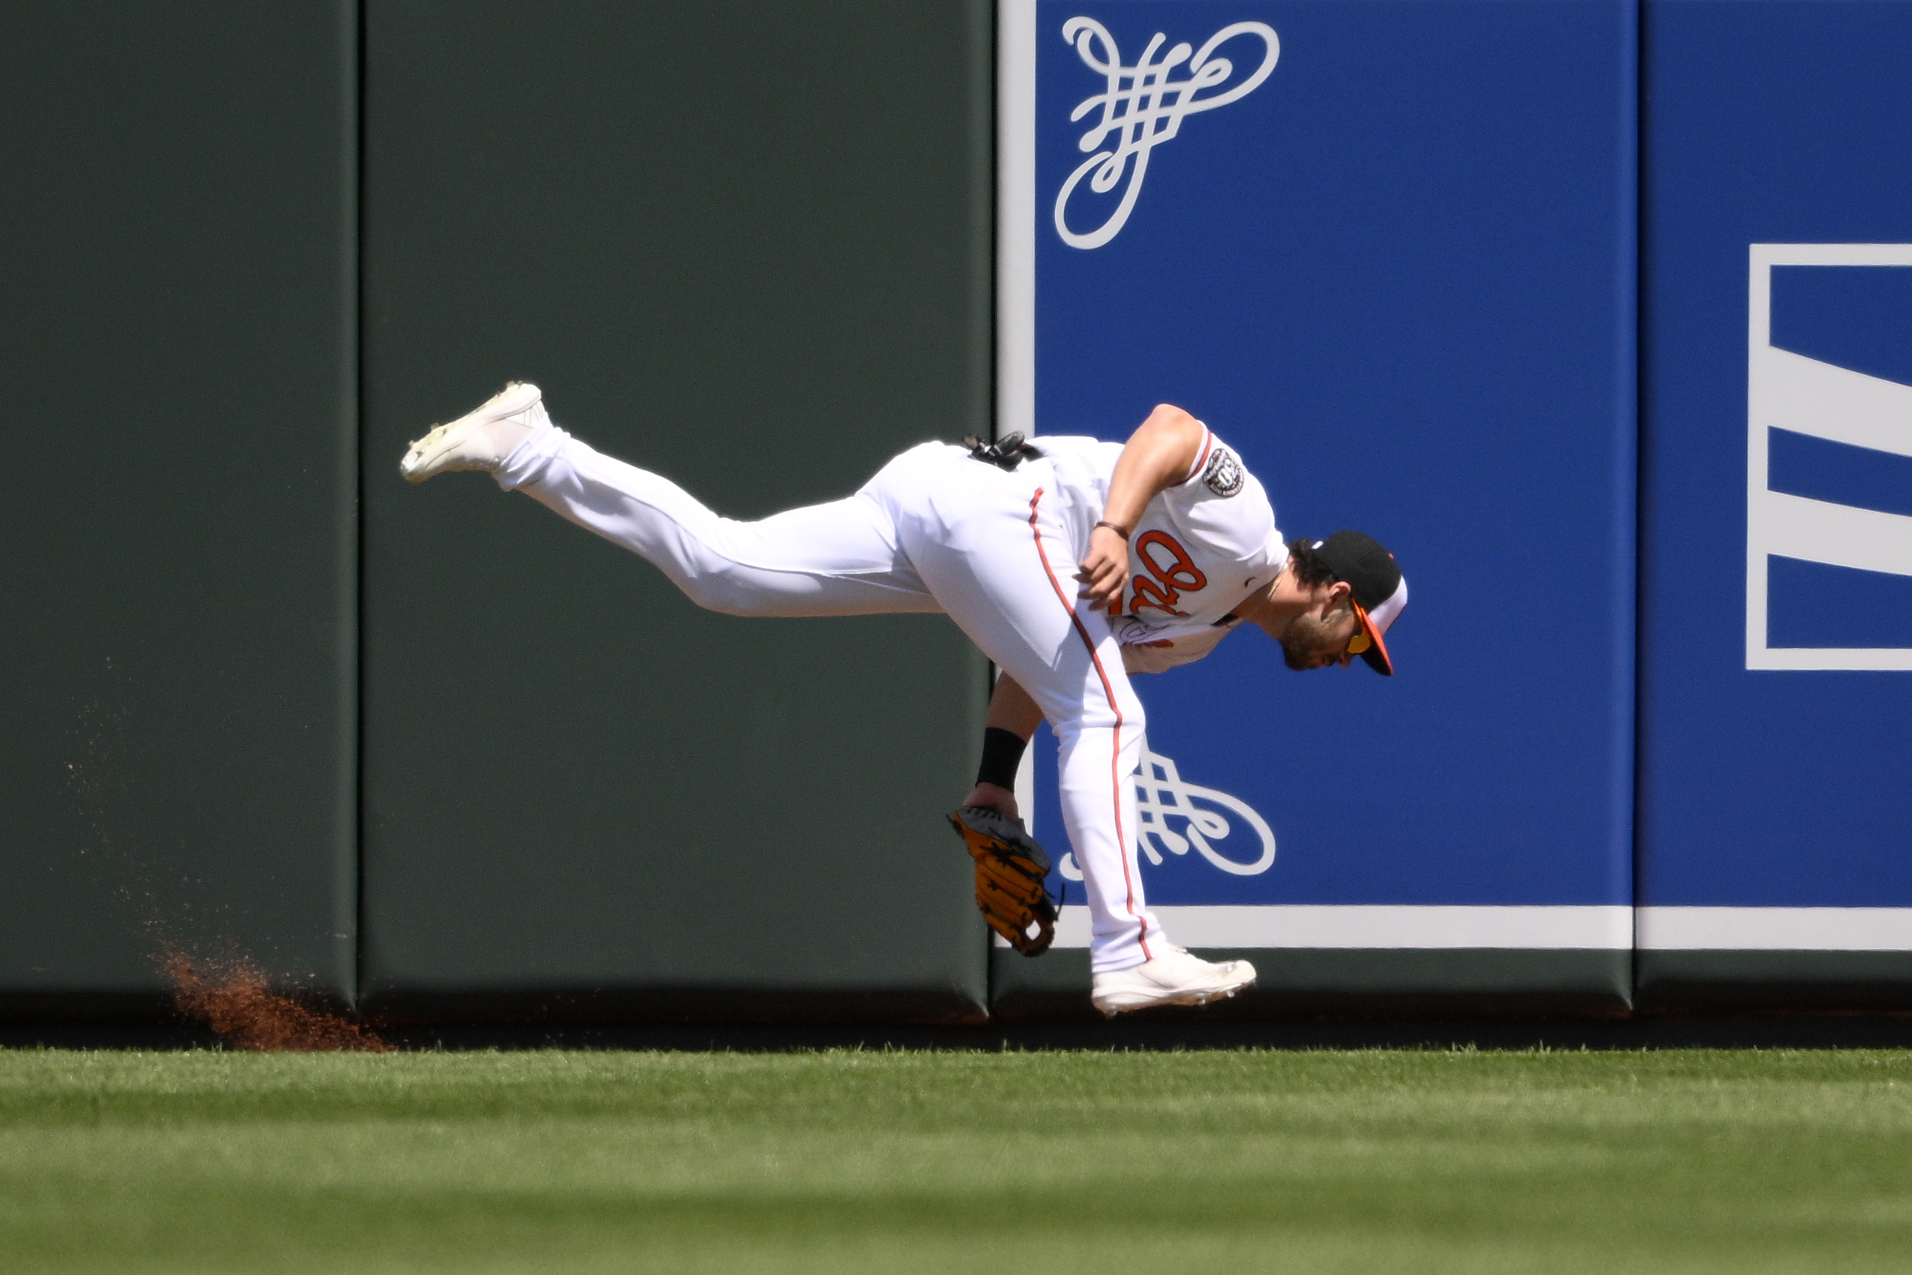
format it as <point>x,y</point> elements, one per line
<point>1312,642</point>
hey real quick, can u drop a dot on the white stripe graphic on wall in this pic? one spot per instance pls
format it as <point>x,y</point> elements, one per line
<point>1378,927</point>
<point>1821,400</point>
<point>1776,929</point>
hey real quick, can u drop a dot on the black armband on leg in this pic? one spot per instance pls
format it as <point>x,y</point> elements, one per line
<point>1002,755</point>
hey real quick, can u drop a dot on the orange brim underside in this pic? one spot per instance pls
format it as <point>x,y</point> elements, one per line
<point>1374,636</point>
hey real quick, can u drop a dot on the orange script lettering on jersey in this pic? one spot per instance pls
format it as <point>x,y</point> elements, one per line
<point>1170,570</point>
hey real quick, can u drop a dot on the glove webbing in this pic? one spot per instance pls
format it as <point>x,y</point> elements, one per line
<point>1010,870</point>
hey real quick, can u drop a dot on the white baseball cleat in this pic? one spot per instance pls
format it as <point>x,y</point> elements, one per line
<point>1173,978</point>
<point>482,439</point>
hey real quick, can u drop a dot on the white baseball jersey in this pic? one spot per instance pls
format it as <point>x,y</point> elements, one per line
<point>996,551</point>
<point>1200,548</point>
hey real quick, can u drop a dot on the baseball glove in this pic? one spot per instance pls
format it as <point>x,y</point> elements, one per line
<point>1010,868</point>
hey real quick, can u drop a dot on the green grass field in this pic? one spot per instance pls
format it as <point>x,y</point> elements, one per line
<point>1042,1162</point>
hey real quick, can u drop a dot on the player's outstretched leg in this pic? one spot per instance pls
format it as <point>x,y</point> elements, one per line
<point>481,439</point>
<point>836,558</point>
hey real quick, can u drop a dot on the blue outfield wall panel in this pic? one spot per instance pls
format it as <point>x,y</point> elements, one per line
<point>1776,640</point>
<point>1397,275</point>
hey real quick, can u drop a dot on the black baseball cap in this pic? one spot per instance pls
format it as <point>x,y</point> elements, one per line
<point>1380,590</point>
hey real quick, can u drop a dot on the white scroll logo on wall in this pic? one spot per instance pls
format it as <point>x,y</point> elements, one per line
<point>1820,400</point>
<point>1174,816</point>
<point>1143,106</point>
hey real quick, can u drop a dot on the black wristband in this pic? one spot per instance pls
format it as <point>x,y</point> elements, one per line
<point>1002,756</point>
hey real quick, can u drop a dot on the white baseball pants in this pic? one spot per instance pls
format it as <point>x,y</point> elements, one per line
<point>933,531</point>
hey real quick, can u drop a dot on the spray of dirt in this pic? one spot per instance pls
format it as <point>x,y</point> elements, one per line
<point>157,893</point>
<point>233,998</point>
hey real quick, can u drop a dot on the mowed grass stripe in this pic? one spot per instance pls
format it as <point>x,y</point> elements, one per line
<point>1240,1160</point>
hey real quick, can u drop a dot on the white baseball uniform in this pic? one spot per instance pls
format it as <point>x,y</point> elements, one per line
<point>936,530</point>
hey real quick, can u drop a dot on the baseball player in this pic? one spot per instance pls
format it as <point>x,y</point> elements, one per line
<point>1070,562</point>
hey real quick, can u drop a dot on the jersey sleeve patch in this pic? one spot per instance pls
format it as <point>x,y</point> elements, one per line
<point>1222,474</point>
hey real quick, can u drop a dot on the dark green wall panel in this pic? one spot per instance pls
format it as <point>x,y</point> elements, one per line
<point>1701,981</point>
<point>747,245</point>
<point>177,545</point>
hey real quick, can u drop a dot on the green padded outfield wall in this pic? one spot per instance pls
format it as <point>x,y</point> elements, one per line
<point>747,245</point>
<point>177,683</point>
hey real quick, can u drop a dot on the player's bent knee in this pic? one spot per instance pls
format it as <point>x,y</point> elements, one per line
<point>1123,730</point>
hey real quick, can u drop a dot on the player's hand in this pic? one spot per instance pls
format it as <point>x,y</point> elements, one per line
<point>995,798</point>
<point>1105,570</point>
